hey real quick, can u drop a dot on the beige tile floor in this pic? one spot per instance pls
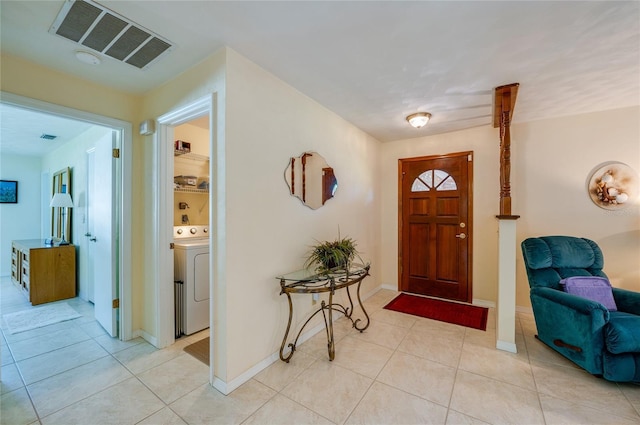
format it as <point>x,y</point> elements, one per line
<point>402,370</point>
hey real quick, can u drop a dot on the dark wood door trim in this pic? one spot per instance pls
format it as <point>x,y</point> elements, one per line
<point>469,228</point>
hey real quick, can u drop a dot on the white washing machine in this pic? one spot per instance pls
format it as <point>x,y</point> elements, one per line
<point>191,277</point>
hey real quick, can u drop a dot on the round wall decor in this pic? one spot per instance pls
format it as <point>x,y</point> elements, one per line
<point>613,185</point>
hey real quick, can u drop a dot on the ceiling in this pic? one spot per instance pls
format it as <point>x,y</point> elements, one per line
<point>21,131</point>
<point>374,63</point>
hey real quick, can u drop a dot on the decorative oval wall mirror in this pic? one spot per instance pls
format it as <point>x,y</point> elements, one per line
<point>310,179</point>
<point>60,218</point>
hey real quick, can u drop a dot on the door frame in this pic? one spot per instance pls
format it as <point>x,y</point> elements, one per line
<point>163,217</point>
<point>122,193</point>
<point>470,228</point>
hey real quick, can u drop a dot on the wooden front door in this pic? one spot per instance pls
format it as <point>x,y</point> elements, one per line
<point>435,225</point>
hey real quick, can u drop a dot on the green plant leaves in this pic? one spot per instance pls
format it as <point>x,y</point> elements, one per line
<point>329,255</point>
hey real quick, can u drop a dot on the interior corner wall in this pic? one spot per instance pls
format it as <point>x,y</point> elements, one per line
<point>202,80</point>
<point>269,231</point>
<point>484,142</point>
<point>552,161</point>
<point>21,220</point>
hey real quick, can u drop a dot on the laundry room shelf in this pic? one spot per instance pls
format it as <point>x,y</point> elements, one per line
<point>191,190</point>
<point>191,156</point>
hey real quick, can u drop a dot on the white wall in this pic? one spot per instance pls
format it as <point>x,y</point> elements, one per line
<point>21,220</point>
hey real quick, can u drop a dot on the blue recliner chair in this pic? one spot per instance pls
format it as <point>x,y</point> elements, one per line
<point>603,342</point>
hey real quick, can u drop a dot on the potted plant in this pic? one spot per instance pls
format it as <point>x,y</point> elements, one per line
<point>329,255</point>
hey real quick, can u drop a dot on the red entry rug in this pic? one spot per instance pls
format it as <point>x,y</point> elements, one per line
<point>467,315</point>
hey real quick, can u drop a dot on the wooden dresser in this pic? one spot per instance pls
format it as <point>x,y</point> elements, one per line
<point>44,273</point>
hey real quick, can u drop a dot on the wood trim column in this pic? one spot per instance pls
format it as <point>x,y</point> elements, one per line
<point>505,101</point>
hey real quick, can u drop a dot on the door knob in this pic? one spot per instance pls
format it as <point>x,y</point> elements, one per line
<point>87,234</point>
<point>461,236</point>
<point>93,239</point>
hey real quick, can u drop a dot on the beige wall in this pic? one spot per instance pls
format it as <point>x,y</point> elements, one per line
<point>268,230</point>
<point>551,162</point>
<point>37,82</point>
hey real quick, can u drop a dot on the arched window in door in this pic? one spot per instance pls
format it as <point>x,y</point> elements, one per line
<point>434,179</point>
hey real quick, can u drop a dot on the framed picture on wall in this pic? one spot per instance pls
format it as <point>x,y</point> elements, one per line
<point>8,192</point>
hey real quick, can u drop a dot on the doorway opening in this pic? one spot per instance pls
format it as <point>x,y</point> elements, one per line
<point>167,204</point>
<point>190,202</point>
<point>118,201</point>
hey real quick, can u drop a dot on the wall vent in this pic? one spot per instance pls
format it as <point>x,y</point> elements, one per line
<point>93,26</point>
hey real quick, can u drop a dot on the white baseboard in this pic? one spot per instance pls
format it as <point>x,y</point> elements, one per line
<point>227,387</point>
<point>506,346</point>
<point>149,338</point>
<point>388,286</point>
<point>483,303</point>
<point>492,304</point>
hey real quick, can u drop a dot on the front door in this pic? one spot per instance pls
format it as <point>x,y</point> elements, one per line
<point>435,225</point>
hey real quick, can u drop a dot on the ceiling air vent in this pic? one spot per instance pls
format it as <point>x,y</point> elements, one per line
<point>95,27</point>
<point>46,136</point>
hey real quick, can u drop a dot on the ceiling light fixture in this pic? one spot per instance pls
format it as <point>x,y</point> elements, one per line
<point>86,57</point>
<point>419,119</point>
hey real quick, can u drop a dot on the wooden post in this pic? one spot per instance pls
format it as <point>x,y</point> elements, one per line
<point>505,162</point>
<point>505,101</point>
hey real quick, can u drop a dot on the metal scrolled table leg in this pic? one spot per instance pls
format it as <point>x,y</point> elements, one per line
<point>355,324</point>
<point>286,334</point>
<point>331,342</point>
<point>349,311</point>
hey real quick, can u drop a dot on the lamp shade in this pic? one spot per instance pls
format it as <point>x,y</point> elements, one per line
<point>419,119</point>
<point>61,200</point>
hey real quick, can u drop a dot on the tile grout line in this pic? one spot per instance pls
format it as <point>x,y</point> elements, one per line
<point>535,381</point>
<point>24,385</point>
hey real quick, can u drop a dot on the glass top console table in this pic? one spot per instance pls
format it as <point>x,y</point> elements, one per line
<point>308,281</point>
